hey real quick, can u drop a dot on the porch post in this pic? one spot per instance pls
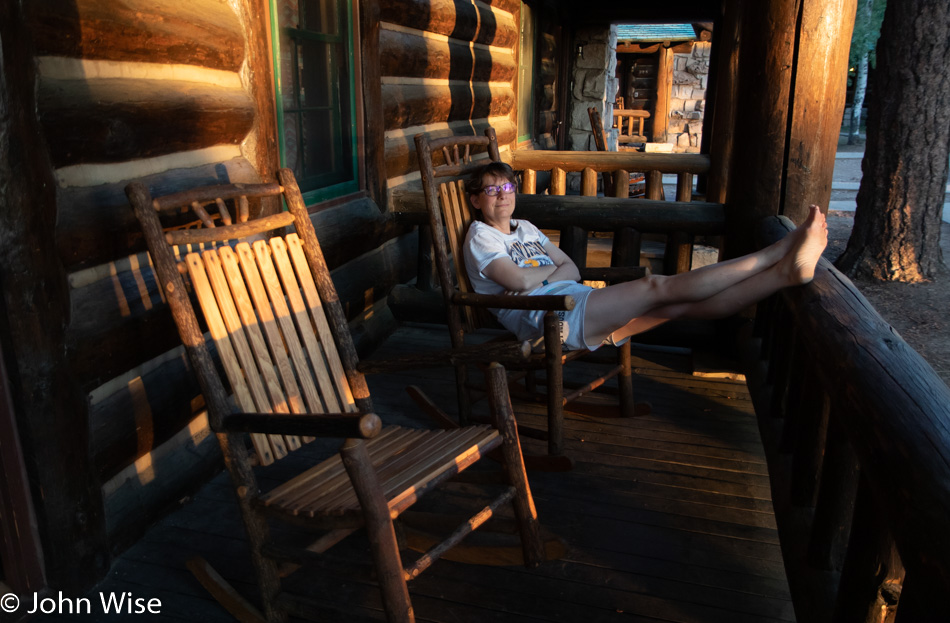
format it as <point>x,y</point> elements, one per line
<point>51,410</point>
<point>767,34</point>
<point>789,102</point>
<point>817,103</point>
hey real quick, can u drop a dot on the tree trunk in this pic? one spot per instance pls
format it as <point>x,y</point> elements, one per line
<point>896,235</point>
<point>860,87</point>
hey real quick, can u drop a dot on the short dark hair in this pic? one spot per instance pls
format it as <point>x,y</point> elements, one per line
<point>475,185</point>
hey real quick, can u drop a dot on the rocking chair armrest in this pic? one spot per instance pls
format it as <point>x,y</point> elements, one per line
<point>515,301</point>
<point>502,352</point>
<point>361,425</point>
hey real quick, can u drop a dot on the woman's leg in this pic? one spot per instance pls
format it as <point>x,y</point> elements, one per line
<point>713,291</point>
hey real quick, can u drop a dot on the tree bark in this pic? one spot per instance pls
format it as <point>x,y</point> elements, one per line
<point>896,235</point>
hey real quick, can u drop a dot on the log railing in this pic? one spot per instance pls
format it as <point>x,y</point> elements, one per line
<point>575,216</point>
<point>857,429</point>
<point>618,166</point>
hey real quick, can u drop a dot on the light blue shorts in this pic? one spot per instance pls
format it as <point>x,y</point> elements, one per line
<point>530,323</point>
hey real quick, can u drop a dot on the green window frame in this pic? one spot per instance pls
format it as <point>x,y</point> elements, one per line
<point>315,84</point>
<point>527,48</point>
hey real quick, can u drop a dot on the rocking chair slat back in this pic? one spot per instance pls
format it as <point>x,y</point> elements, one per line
<point>458,217</point>
<point>276,348</point>
<point>455,212</point>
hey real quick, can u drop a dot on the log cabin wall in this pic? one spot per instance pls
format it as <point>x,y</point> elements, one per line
<point>447,67</point>
<point>171,93</point>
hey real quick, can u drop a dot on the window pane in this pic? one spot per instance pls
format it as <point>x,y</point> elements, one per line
<point>316,114</point>
<point>318,16</point>
<point>314,78</point>
<point>319,150</point>
<point>526,75</point>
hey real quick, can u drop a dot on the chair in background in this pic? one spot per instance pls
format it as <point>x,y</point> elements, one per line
<point>449,217</point>
<point>278,330</point>
<point>637,180</point>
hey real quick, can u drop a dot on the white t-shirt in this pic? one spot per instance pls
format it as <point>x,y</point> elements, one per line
<point>484,244</point>
<point>524,246</point>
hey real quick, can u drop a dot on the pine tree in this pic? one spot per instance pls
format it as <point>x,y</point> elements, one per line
<point>896,234</point>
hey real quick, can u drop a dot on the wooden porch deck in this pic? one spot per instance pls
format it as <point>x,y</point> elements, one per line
<point>666,517</point>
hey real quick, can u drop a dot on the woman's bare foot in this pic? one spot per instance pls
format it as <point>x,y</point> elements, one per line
<point>807,243</point>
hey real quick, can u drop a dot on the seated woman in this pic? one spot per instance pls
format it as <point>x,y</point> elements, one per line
<point>510,255</point>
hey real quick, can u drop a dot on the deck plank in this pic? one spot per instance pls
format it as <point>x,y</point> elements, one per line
<point>667,517</point>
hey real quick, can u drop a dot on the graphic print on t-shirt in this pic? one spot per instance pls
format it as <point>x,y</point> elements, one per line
<point>529,254</point>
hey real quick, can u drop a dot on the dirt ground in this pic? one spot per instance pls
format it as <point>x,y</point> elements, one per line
<point>917,311</point>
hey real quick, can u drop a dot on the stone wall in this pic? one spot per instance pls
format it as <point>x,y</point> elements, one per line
<point>594,83</point>
<point>688,98</point>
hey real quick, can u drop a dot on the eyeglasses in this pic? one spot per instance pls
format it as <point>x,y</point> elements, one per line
<point>493,191</point>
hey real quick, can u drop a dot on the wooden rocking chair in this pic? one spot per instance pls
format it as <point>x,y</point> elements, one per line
<point>278,329</point>
<point>636,182</point>
<point>447,204</point>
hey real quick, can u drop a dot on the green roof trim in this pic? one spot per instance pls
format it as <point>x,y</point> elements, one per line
<point>655,32</point>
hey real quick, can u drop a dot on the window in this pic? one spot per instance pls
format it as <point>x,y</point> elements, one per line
<point>526,55</point>
<point>316,112</point>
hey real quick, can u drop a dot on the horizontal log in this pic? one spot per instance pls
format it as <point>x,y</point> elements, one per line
<point>111,120</point>
<point>371,276</point>
<point>407,105</point>
<point>899,417</point>
<point>351,230</point>
<point>409,303</point>
<point>601,161</point>
<point>401,155</point>
<point>95,224</point>
<point>142,491</point>
<point>146,412</point>
<point>116,324</point>
<point>593,213</point>
<point>205,32</point>
<point>459,20</point>
<point>409,55</point>
<point>512,6</point>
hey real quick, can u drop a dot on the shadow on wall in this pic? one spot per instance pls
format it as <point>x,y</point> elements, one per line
<point>472,23</point>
